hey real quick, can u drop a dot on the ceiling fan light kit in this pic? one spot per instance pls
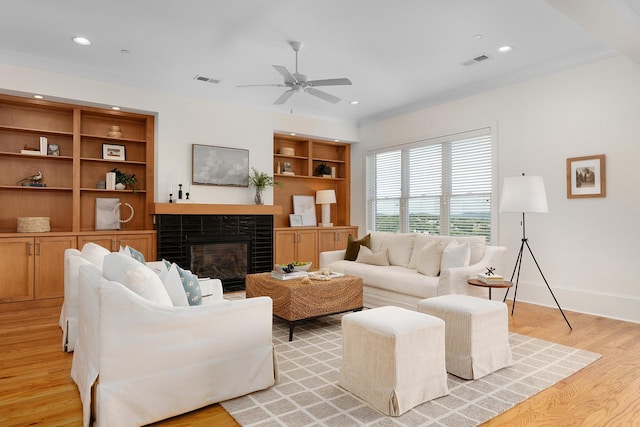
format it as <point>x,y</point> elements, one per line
<point>297,82</point>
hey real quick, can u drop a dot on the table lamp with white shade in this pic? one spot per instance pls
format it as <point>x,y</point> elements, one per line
<point>326,198</point>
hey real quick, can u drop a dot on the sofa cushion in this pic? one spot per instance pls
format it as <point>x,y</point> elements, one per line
<point>365,256</point>
<point>399,246</point>
<point>455,255</point>
<point>430,258</point>
<point>353,246</point>
<point>391,278</point>
<point>135,276</point>
<point>190,285</point>
<point>173,284</point>
<point>94,253</point>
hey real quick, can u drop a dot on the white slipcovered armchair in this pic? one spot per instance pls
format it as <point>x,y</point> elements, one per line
<point>137,361</point>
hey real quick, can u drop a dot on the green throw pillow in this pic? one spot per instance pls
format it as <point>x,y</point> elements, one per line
<point>353,246</point>
<point>191,286</point>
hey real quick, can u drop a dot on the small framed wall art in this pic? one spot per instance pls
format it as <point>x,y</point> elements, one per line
<point>113,152</point>
<point>295,220</point>
<point>586,177</point>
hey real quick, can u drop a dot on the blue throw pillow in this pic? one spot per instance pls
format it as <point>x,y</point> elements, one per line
<point>191,286</point>
<point>136,254</point>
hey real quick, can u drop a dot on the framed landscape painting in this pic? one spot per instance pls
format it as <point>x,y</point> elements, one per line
<point>586,177</point>
<point>220,166</point>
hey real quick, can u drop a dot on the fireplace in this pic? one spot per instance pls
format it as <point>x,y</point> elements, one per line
<point>221,257</point>
<point>225,247</point>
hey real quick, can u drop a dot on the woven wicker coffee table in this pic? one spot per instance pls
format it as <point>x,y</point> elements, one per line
<point>294,301</point>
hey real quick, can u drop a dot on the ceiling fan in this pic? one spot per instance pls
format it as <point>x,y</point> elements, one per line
<point>297,82</point>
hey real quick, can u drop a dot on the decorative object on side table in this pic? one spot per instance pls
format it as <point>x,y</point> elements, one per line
<point>261,180</point>
<point>125,179</point>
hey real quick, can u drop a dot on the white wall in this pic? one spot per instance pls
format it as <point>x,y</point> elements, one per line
<point>182,121</point>
<point>587,248</point>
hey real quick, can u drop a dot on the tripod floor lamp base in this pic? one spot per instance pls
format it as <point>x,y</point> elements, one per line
<point>516,273</point>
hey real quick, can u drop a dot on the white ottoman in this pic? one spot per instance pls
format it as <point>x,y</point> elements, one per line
<point>393,358</point>
<point>477,333</point>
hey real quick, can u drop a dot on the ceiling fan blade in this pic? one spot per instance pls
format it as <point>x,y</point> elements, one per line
<point>284,97</point>
<point>322,95</point>
<point>264,85</point>
<point>288,77</point>
<point>330,82</point>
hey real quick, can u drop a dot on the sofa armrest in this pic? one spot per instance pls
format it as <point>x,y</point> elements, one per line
<point>328,257</point>
<point>493,257</point>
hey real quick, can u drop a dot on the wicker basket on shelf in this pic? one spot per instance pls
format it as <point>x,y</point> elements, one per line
<point>34,224</point>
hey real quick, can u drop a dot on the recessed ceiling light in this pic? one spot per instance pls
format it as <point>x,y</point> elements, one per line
<point>292,134</point>
<point>354,102</point>
<point>336,140</point>
<point>505,49</point>
<point>115,108</point>
<point>81,41</point>
<point>38,96</point>
<point>477,37</point>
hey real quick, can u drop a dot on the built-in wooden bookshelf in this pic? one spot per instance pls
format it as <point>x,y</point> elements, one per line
<point>70,179</point>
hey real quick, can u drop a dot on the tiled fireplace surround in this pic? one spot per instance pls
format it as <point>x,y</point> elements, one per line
<point>177,231</point>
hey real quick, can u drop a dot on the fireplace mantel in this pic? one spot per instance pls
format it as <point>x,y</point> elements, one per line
<point>213,209</point>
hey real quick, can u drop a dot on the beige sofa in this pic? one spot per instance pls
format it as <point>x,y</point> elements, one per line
<point>419,266</point>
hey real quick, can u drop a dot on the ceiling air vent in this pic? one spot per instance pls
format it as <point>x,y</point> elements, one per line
<point>206,79</point>
<point>476,60</point>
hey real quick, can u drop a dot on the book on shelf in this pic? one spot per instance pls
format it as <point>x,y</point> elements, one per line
<point>289,276</point>
<point>31,152</point>
<point>493,278</point>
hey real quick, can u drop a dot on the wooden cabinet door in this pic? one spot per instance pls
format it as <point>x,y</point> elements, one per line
<point>326,240</point>
<point>141,242</point>
<point>342,237</point>
<point>285,243</point>
<point>17,256</point>
<point>49,265</point>
<point>104,240</point>
<point>335,238</point>
<point>307,249</point>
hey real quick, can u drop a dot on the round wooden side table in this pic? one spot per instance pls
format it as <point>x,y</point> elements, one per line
<point>476,282</point>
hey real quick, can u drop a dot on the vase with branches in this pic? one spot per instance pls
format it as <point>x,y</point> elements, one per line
<point>261,180</point>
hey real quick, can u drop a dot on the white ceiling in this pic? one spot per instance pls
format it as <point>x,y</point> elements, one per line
<point>399,54</point>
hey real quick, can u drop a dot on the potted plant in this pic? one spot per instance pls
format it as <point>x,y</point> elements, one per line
<point>261,180</point>
<point>126,179</point>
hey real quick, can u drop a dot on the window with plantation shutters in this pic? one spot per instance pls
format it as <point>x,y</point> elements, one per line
<point>441,186</point>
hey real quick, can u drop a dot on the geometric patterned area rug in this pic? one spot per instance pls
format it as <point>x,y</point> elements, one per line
<point>307,393</point>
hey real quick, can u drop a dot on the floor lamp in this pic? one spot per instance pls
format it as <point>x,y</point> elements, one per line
<point>525,194</point>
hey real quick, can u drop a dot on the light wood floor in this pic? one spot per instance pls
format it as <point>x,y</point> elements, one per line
<point>36,389</point>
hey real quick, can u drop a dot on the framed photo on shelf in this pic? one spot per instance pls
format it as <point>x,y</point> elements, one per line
<point>220,166</point>
<point>113,152</point>
<point>295,220</point>
<point>305,206</point>
<point>586,177</point>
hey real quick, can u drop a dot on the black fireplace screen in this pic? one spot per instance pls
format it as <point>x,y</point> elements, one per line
<point>221,259</point>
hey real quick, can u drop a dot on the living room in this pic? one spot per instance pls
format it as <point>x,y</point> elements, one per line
<point>538,123</point>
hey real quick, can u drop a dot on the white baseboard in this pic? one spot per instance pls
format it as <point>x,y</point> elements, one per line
<point>599,304</point>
